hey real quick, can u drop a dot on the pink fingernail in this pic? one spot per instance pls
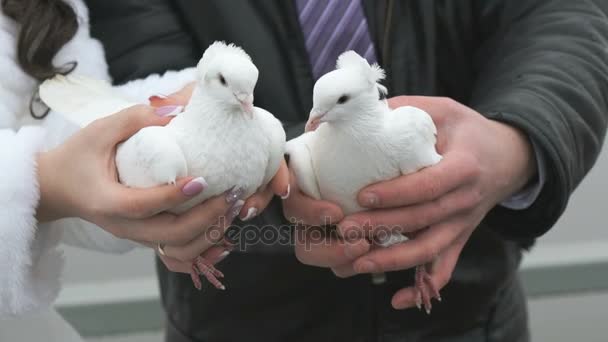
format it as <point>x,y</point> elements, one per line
<point>223,256</point>
<point>286,195</point>
<point>194,187</point>
<point>157,97</point>
<point>169,110</point>
<point>234,210</point>
<point>251,213</point>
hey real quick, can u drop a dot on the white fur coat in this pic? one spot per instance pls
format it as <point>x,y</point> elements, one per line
<point>30,261</point>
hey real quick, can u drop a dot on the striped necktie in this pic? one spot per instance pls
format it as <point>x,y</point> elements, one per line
<point>331,27</point>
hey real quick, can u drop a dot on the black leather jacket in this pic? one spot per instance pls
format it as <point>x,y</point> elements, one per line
<point>539,65</point>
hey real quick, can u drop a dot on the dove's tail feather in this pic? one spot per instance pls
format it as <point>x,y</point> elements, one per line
<point>80,99</point>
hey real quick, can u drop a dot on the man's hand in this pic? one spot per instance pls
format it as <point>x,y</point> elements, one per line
<point>484,163</point>
<point>314,246</point>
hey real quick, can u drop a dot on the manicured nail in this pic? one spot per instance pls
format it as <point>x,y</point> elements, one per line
<point>366,266</point>
<point>223,256</point>
<point>235,209</point>
<point>251,213</point>
<point>370,199</point>
<point>234,195</point>
<point>158,97</point>
<point>168,110</point>
<point>194,187</point>
<point>286,195</point>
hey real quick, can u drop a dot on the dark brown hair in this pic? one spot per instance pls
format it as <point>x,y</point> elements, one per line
<point>45,26</point>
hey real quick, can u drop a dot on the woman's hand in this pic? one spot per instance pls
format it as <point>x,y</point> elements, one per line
<point>257,202</point>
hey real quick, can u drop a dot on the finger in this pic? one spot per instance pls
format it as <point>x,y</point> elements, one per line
<point>314,248</point>
<point>255,204</point>
<point>205,242</point>
<point>455,170</point>
<point>181,97</point>
<point>344,271</point>
<point>301,209</point>
<point>138,203</point>
<point>440,275</point>
<point>280,182</point>
<point>410,218</point>
<point>122,125</point>
<point>423,249</point>
<point>173,230</point>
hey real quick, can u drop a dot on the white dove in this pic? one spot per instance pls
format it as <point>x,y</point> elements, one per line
<point>220,136</point>
<point>353,139</point>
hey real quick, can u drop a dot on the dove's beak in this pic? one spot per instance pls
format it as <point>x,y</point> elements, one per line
<point>314,120</point>
<point>246,101</point>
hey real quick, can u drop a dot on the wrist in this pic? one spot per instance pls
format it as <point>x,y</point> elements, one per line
<point>49,207</point>
<point>519,160</point>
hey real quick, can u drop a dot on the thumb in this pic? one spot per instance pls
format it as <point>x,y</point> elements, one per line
<point>280,182</point>
<point>181,97</point>
<point>124,124</point>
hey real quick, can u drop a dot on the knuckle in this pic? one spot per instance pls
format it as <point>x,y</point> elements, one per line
<point>134,208</point>
<point>432,186</point>
<point>431,252</point>
<point>473,168</point>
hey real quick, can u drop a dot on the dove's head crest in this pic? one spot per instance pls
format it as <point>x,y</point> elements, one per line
<point>227,73</point>
<point>350,90</point>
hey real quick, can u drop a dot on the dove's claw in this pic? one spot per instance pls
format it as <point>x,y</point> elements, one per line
<point>196,280</point>
<point>209,271</point>
<point>432,287</point>
<point>426,290</point>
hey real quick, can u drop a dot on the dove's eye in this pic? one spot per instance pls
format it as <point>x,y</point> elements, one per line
<point>222,79</point>
<point>343,99</point>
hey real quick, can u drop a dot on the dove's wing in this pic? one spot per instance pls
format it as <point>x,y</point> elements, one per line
<point>82,100</point>
<point>273,129</point>
<point>414,128</point>
<point>151,157</point>
<point>300,161</point>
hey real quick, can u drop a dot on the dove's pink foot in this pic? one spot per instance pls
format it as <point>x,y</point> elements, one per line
<point>202,266</point>
<point>426,289</point>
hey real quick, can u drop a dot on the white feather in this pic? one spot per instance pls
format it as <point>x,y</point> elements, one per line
<point>362,141</point>
<point>82,100</point>
<point>213,138</point>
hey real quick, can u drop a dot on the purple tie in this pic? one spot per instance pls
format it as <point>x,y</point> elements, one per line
<point>331,27</point>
